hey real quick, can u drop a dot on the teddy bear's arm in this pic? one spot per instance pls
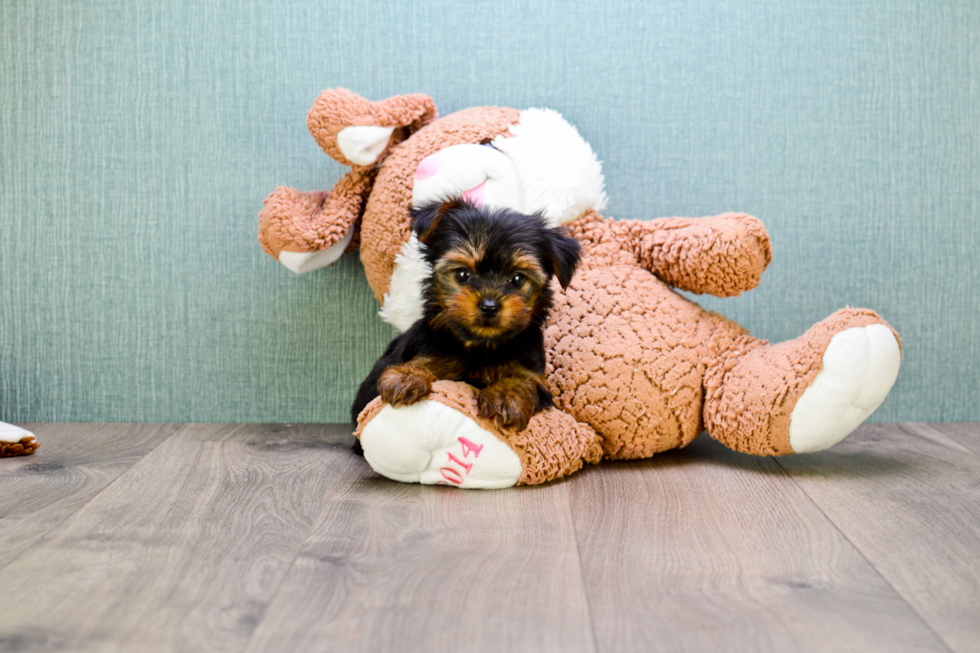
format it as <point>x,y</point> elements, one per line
<point>306,231</point>
<point>722,255</point>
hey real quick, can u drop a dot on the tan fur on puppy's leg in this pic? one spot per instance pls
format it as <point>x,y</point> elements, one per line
<point>510,402</point>
<point>511,399</point>
<point>405,384</point>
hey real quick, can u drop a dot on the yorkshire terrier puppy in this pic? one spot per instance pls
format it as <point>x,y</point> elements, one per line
<point>485,307</point>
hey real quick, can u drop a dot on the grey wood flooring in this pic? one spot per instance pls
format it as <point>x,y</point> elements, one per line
<point>126,537</point>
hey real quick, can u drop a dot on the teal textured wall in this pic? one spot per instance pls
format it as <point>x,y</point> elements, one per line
<point>137,140</point>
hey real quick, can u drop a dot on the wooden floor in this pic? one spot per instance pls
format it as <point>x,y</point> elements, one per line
<point>129,537</point>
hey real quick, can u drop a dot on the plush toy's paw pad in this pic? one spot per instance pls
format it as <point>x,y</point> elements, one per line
<point>15,441</point>
<point>433,444</point>
<point>303,262</point>
<point>859,368</point>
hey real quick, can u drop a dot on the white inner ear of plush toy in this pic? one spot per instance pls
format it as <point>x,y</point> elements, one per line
<point>361,145</point>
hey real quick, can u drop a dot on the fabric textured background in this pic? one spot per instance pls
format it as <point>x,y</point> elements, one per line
<point>138,139</point>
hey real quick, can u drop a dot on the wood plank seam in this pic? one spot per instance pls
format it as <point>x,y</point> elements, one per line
<point>581,571</point>
<point>861,553</point>
<point>936,437</point>
<point>768,602</point>
<point>405,557</point>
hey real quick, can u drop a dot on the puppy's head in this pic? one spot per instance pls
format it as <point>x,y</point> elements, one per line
<point>491,268</point>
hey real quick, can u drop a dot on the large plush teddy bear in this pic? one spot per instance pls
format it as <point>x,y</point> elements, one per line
<point>635,368</point>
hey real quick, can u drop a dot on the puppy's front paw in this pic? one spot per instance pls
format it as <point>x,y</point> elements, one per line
<point>404,385</point>
<point>511,408</point>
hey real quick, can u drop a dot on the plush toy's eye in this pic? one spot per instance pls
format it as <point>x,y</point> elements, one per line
<point>462,275</point>
<point>517,281</point>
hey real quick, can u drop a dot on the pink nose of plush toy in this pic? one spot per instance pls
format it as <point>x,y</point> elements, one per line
<point>475,195</point>
<point>429,166</point>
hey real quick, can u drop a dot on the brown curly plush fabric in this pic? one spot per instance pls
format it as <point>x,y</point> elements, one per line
<point>627,354</point>
<point>338,108</point>
<point>648,369</point>
<point>25,447</point>
<point>309,222</point>
<point>553,445</point>
<point>721,255</point>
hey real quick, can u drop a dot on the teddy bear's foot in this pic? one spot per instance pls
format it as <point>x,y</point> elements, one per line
<point>801,395</point>
<point>431,443</point>
<point>15,441</point>
<point>442,440</point>
<point>859,368</point>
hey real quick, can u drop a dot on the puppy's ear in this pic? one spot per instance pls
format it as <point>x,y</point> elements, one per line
<point>565,254</point>
<point>426,218</point>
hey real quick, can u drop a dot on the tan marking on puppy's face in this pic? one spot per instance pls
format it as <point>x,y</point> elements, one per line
<point>521,261</point>
<point>467,255</point>
<point>514,316</point>
<point>521,285</point>
<point>517,288</point>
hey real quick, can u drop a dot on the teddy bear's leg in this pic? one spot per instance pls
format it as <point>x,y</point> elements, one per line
<point>15,441</point>
<point>442,441</point>
<point>802,395</point>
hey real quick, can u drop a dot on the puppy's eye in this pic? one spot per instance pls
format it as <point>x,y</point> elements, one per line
<point>517,281</point>
<point>462,276</point>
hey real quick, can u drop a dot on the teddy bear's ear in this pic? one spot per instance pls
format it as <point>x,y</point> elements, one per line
<point>360,133</point>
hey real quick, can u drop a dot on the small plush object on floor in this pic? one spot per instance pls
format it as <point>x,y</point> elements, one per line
<point>635,368</point>
<point>15,441</point>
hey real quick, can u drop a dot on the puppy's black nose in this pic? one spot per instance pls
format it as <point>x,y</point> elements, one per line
<point>489,307</point>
